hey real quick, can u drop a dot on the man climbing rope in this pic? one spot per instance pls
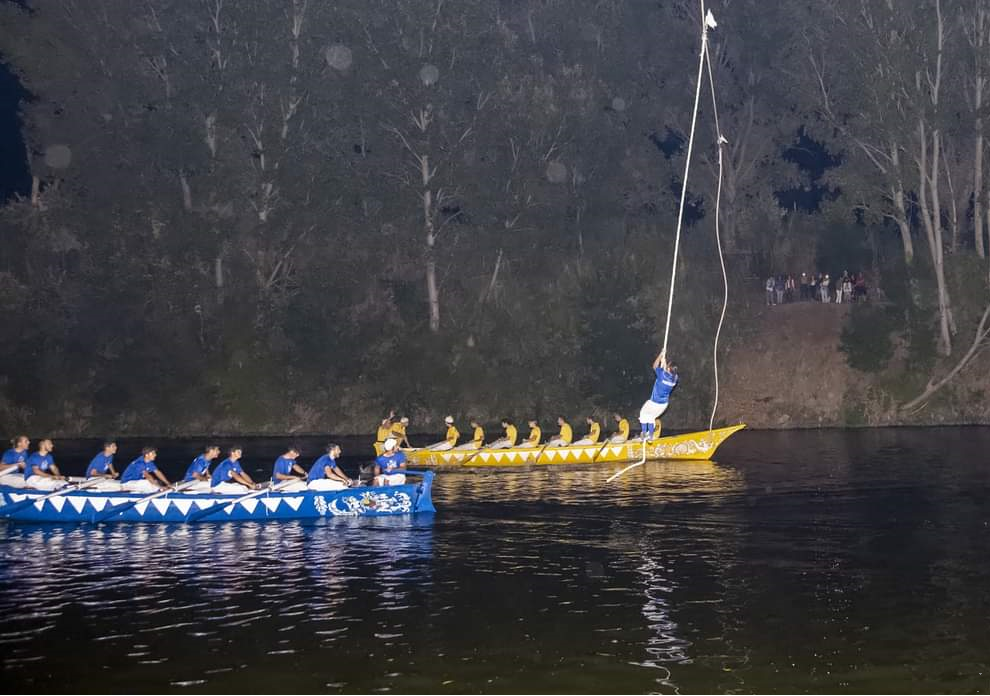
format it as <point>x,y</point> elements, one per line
<point>666,380</point>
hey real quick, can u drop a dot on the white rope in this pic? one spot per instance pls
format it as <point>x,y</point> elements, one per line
<point>687,169</point>
<point>718,237</point>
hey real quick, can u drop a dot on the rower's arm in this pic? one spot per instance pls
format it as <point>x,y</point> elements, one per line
<point>299,470</point>
<point>162,478</point>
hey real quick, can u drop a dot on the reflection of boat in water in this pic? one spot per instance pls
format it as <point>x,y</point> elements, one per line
<point>689,446</point>
<point>86,506</point>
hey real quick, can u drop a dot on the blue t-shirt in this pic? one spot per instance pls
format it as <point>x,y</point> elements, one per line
<point>200,465</point>
<point>100,465</point>
<point>224,472</point>
<point>390,462</point>
<point>318,470</point>
<point>283,465</point>
<point>12,457</point>
<point>42,461</point>
<point>135,470</point>
<point>662,387</point>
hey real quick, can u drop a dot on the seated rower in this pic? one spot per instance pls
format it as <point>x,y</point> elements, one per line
<point>142,476</point>
<point>12,466</point>
<point>101,467</point>
<point>477,438</point>
<point>389,466</point>
<point>594,432</point>
<point>325,475</point>
<point>622,434</point>
<point>564,437</point>
<point>384,432</point>
<point>535,434</point>
<point>510,437</point>
<point>399,432</point>
<point>198,473</point>
<point>287,474</point>
<point>40,471</point>
<point>450,439</point>
<point>229,477</point>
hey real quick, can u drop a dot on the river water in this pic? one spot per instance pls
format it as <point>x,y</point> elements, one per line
<point>799,562</point>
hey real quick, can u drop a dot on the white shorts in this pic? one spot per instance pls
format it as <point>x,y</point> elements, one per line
<point>556,442</point>
<point>104,486</point>
<point>441,446</point>
<point>467,446</point>
<point>584,441</point>
<point>195,486</point>
<point>651,411</point>
<point>618,439</point>
<point>294,487</point>
<point>390,480</point>
<point>500,444</point>
<point>326,484</point>
<point>139,486</point>
<point>44,483</point>
<point>13,480</point>
<point>230,487</point>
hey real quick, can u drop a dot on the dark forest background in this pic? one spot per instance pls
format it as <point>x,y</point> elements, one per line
<point>293,215</point>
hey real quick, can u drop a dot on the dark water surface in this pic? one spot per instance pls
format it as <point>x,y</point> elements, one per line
<point>801,562</point>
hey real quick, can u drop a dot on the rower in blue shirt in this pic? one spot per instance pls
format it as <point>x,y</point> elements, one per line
<point>142,476</point>
<point>40,471</point>
<point>287,474</point>
<point>198,473</point>
<point>229,477</point>
<point>389,466</point>
<point>666,380</point>
<point>101,467</point>
<point>12,462</point>
<point>325,475</point>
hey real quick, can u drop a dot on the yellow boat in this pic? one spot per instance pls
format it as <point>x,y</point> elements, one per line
<point>697,446</point>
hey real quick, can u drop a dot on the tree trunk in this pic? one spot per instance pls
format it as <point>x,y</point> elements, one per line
<point>897,193</point>
<point>432,289</point>
<point>930,215</point>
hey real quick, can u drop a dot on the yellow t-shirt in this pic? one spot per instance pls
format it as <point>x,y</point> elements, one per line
<point>384,433</point>
<point>398,431</point>
<point>594,432</point>
<point>511,434</point>
<point>565,434</point>
<point>624,428</point>
<point>479,436</point>
<point>534,436</point>
<point>452,435</point>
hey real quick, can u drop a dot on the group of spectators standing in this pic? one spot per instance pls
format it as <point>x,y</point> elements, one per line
<point>812,287</point>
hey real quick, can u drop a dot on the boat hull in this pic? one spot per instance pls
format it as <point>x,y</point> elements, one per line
<point>688,446</point>
<point>83,506</point>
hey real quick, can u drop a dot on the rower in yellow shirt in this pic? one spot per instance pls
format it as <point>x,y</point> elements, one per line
<point>510,437</point>
<point>594,432</point>
<point>384,433</point>
<point>477,437</point>
<point>622,434</point>
<point>535,434</point>
<point>450,439</point>
<point>399,432</point>
<point>565,436</point>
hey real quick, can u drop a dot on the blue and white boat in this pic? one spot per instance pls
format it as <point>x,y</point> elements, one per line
<point>176,506</point>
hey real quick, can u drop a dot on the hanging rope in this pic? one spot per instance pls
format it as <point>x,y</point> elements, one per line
<point>707,21</point>
<point>718,237</point>
<point>687,169</point>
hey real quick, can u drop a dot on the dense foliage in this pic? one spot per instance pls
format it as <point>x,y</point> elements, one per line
<point>293,215</point>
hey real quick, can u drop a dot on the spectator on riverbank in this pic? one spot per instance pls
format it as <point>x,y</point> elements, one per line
<point>769,285</point>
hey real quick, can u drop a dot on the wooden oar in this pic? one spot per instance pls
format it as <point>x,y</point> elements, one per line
<point>540,453</point>
<point>9,470</point>
<point>602,449</point>
<point>124,507</point>
<point>473,455</point>
<point>200,514</point>
<point>21,504</point>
